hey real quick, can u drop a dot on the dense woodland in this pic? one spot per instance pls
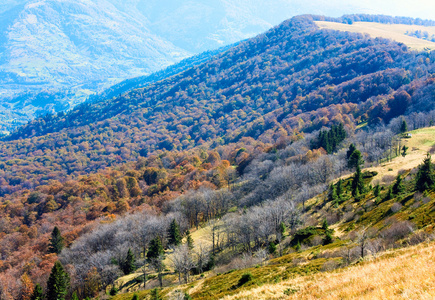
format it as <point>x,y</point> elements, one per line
<point>294,78</point>
<point>249,135</point>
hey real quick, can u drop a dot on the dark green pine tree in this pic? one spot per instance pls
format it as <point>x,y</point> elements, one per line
<point>135,297</point>
<point>189,241</point>
<point>339,189</point>
<point>38,294</point>
<point>58,283</point>
<point>129,265</point>
<point>351,149</point>
<point>357,182</point>
<point>56,241</point>
<point>404,149</point>
<point>332,193</point>
<point>155,248</point>
<point>355,159</point>
<point>174,236</point>
<point>398,187</point>
<point>389,194</point>
<point>403,127</point>
<point>377,190</point>
<point>425,177</point>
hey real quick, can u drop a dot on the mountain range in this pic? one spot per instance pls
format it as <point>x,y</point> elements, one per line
<point>54,54</point>
<point>253,138</point>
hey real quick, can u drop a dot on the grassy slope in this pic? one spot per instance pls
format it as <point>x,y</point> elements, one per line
<point>390,31</point>
<point>300,273</point>
<point>401,274</point>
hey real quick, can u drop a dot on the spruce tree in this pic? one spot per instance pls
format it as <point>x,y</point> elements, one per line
<point>357,182</point>
<point>377,190</point>
<point>58,283</point>
<point>155,248</point>
<point>56,241</point>
<point>425,177</point>
<point>174,236</point>
<point>389,194</point>
<point>355,159</point>
<point>189,241</point>
<point>135,297</point>
<point>332,193</point>
<point>339,189</point>
<point>129,265</point>
<point>403,127</point>
<point>351,149</point>
<point>404,149</point>
<point>398,186</point>
<point>38,294</point>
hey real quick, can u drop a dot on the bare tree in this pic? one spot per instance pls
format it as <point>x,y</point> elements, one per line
<point>202,255</point>
<point>182,261</point>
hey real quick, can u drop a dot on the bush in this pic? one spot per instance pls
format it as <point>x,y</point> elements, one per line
<point>245,278</point>
<point>113,291</point>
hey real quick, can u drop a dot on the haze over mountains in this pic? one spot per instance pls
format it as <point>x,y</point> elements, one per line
<point>54,53</point>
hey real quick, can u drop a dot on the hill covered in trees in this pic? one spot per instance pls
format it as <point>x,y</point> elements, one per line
<point>240,138</point>
<point>292,79</point>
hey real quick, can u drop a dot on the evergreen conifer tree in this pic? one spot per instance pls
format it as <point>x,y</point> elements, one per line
<point>425,177</point>
<point>38,294</point>
<point>174,236</point>
<point>377,190</point>
<point>190,243</point>
<point>355,159</point>
<point>351,149</point>
<point>135,297</point>
<point>155,248</point>
<point>357,182</point>
<point>404,149</point>
<point>403,127</point>
<point>56,241</point>
<point>398,186</point>
<point>339,188</point>
<point>58,283</point>
<point>389,194</point>
<point>129,265</point>
<point>332,193</point>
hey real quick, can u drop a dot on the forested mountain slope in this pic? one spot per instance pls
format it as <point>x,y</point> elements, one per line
<point>236,139</point>
<point>293,78</point>
<point>68,50</point>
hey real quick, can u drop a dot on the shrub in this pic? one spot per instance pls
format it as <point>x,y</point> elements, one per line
<point>245,278</point>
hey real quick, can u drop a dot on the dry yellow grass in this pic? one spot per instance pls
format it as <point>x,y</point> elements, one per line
<point>419,144</point>
<point>390,31</point>
<point>404,274</point>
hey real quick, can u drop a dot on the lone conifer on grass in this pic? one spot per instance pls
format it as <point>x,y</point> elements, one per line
<point>357,182</point>
<point>425,177</point>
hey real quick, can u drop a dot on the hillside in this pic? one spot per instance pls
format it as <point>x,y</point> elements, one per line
<point>395,32</point>
<point>293,78</point>
<point>68,50</point>
<point>250,144</point>
<point>307,273</point>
